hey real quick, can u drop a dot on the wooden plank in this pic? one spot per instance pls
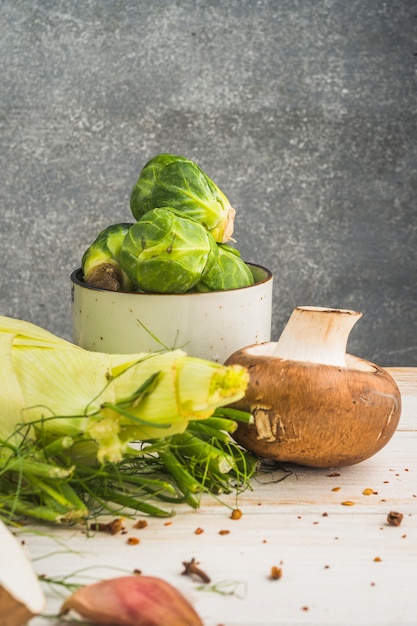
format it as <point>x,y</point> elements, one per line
<point>341,565</point>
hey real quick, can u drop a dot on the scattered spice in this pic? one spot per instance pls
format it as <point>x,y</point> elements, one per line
<point>369,492</point>
<point>191,569</point>
<point>324,514</point>
<point>199,531</point>
<point>141,523</point>
<point>276,573</point>
<point>336,489</point>
<point>377,559</point>
<point>348,503</point>
<point>224,532</point>
<point>333,474</point>
<point>236,514</point>
<point>304,608</point>
<point>167,523</point>
<point>394,518</point>
<point>133,541</point>
<point>113,527</point>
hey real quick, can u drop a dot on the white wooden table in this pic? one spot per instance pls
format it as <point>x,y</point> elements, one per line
<point>341,565</point>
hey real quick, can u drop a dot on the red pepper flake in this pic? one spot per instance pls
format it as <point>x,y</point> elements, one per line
<point>141,523</point>
<point>168,524</point>
<point>224,532</point>
<point>236,514</point>
<point>348,503</point>
<point>305,608</point>
<point>336,489</point>
<point>276,573</point>
<point>198,531</point>
<point>377,559</point>
<point>133,541</point>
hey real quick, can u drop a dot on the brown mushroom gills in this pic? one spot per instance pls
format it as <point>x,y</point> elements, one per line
<point>315,414</point>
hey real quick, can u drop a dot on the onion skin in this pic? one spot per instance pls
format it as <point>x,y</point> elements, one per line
<point>132,601</point>
<point>13,612</point>
<point>313,414</point>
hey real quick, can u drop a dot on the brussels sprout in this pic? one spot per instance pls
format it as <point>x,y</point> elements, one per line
<point>165,252</point>
<point>175,181</point>
<point>101,261</point>
<point>224,270</point>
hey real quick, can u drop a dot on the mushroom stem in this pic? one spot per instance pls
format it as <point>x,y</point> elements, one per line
<point>316,335</point>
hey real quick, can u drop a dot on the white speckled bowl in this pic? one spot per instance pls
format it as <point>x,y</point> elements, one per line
<point>208,325</point>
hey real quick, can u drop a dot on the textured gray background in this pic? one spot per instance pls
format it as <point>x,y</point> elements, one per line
<point>303,112</point>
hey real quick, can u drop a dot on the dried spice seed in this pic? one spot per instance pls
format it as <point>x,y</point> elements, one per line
<point>348,503</point>
<point>324,514</point>
<point>377,559</point>
<point>333,474</point>
<point>198,531</point>
<point>141,523</point>
<point>113,527</point>
<point>394,518</point>
<point>236,514</point>
<point>133,541</point>
<point>224,532</point>
<point>368,492</point>
<point>276,573</point>
<point>336,489</point>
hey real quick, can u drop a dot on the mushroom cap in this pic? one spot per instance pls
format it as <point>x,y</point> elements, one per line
<point>313,414</point>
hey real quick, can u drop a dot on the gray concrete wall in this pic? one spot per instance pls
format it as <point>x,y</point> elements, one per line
<point>303,112</point>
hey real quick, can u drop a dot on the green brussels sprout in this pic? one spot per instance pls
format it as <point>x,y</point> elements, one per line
<point>165,252</point>
<point>175,181</point>
<point>101,261</point>
<point>224,270</point>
